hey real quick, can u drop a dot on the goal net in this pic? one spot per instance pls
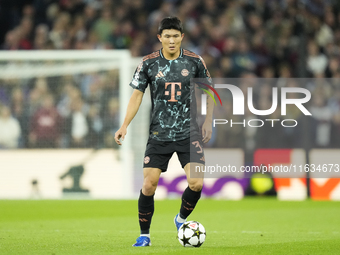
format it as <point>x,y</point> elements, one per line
<point>88,91</point>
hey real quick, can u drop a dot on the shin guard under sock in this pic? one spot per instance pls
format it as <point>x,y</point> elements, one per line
<point>145,212</point>
<point>189,201</point>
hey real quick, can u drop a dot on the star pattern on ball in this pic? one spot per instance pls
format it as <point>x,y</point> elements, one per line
<point>191,234</point>
<point>198,244</point>
<point>185,240</point>
<point>185,226</point>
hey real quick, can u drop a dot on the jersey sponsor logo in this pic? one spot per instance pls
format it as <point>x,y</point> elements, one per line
<point>172,90</point>
<point>160,74</point>
<point>146,160</point>
<point>185,72</point>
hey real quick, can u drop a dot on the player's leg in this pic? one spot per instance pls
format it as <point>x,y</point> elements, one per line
<point>191,194</point>
<point>154,165</point>
<point>146,204</point>
<point>190,157</point>
<point>146,198</point>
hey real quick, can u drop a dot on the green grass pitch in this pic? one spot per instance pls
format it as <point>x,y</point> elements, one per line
<point>251,226</point>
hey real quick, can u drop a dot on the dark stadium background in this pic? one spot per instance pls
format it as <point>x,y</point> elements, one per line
<point>246,38</point>
<point>65,190</point>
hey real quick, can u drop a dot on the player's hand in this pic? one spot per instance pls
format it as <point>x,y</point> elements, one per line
<point>206,131</point>
<point>120,134</point>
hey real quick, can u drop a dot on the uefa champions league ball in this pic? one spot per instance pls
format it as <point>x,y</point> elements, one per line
<point>191,234</point>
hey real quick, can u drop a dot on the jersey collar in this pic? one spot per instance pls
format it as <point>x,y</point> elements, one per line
<point>180,55</point>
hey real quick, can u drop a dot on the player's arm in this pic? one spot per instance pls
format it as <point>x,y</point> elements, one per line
<point>132,109</point>
<point>207,125</point>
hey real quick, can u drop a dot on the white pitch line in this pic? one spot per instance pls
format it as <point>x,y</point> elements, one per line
<point>251,232</point>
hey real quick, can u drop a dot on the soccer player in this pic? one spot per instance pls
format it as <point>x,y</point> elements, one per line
<point>173,126</point>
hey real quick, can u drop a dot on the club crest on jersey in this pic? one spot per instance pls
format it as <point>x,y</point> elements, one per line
<point>185,72</point>
<point>146,160</point>
<point>160,74</point>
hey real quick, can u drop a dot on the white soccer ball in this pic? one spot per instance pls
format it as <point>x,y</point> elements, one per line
<point>191,234</point>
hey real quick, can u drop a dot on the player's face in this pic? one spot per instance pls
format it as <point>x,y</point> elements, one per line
<point>171,40</point>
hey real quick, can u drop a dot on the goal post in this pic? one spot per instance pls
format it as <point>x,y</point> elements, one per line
<point>23,66</point>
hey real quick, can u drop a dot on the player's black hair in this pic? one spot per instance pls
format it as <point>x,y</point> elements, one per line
<point>170,23</point>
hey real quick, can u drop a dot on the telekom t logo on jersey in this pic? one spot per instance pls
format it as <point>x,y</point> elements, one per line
<point>172,90</point>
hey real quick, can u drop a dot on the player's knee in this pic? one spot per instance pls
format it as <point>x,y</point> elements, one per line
<point>149,187</point>
<point>196,186</point>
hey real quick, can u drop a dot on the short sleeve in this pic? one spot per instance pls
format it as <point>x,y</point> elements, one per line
<point>203,71</point>
<point>140,78</point>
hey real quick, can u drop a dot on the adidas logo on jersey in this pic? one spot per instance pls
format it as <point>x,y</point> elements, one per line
<point>160,74</point>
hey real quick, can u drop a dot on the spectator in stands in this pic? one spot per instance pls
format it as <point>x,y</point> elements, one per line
<point>41,37</point>
<point>323,33</point>
<point>243,60</point>
<point>261,37</point>
<point>104,25</point>
<point>9,129</point>
<point>77,124</point>
<point>20,112</point>
<point>37,94</point>
<point>96,127</point>
<point>323,115</point>
<point>122,36</point>
<point>78,31</point>
<point>90,14</point>
<point>166,9</point>
<point>46,125</point>
<point>227,136</point>
<point>26,27</point>
<point>111,122</point>
<point>334,106</point>
<point>12,40</point>
<point>59,32</point>
<point>334,101</point>
<point>271,135</point>
<point>335,131</point>
<point>89,84</point>
<point>68,94</point>
<point>316,61</point>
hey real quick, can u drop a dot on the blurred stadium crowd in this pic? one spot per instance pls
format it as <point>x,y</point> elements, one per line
<point>237,38</point>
